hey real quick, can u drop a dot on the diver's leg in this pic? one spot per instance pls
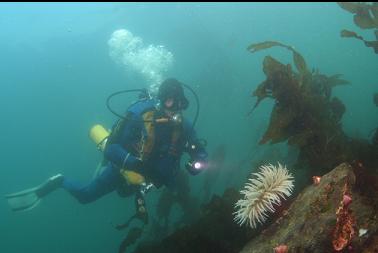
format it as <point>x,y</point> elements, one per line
<point>29,198</point>
<point>103,184</point>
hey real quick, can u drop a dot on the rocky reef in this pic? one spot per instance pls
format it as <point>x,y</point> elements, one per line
<point>335,214</point>
<point>215,231</point>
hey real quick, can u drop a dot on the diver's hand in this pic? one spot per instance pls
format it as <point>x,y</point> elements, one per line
<point>201,156</point>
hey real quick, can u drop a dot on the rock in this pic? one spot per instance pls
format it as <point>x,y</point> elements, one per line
<point>214,232</point>
<point>310,224</point>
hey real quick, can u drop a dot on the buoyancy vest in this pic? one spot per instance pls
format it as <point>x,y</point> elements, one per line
<point>147,111</point>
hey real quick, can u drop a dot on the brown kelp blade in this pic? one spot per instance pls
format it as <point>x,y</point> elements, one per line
<point>349,6</point>
<point>365,14</point>
<point>134,234</point>
<point>364,20</point>
<point>373,44</point>
<point>263,45</point>
<point>300,63</point>
<point>298,59</point>
<point>335,80</point>
<point>350,34</point>
<point>374,11</point>
<point>366,17</point>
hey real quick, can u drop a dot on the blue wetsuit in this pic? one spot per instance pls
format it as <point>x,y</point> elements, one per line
<point>158,166</point>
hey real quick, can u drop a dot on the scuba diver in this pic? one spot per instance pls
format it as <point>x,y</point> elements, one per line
<point>144,149</point>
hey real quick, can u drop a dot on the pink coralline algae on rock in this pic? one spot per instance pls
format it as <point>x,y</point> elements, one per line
<point>281,249</point>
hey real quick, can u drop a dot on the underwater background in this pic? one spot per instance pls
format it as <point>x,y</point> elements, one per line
<point>57,69</point>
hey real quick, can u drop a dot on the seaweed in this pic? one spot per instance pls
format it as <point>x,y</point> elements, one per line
<point>164,205</point>
<point>350,34</point>
<point>181,196</point>
<point>365,17</point>
<point>298,59</point>
<point>374,139</point>
<point>134,234</point>
<point>375,99</point>
<point>305,113</point>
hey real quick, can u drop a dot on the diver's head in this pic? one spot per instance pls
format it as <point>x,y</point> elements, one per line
<point>171,96</point>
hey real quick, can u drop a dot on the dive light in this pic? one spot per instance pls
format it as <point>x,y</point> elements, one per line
<point>194,167</point>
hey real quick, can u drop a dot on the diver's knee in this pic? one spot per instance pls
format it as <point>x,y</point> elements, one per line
<point>86,197</point>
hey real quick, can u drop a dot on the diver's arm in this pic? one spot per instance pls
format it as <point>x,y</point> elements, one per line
<point>197,152</point>
<point>115,151</point>
<point>120,157</point>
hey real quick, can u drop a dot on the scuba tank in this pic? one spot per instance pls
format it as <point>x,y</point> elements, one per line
<point>99,136</point>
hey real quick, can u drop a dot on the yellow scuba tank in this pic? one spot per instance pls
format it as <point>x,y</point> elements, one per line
<point>99,136</point>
